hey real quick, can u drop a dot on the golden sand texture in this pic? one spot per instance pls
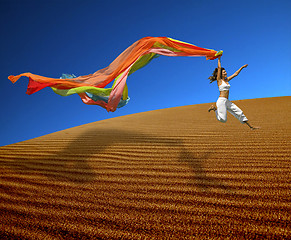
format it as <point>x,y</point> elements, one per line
<point>174,173</point>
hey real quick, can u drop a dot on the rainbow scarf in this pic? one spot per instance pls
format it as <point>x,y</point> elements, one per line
<point>92,88</point>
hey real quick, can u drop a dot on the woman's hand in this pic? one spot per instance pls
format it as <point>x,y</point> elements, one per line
<point>244,66</point>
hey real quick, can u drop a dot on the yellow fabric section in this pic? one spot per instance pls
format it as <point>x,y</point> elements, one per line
<point>142,61</point>
<point>175,40</point>
<point>125,92</point>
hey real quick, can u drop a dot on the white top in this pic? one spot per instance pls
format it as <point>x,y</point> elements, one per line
<point>224,86</point>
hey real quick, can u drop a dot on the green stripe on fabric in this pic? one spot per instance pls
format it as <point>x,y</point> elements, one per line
<point>96,91</point>
<point>159,45</point>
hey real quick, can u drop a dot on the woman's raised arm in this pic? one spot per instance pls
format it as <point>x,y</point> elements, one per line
<point>219,69</point>
<point>236,73</point>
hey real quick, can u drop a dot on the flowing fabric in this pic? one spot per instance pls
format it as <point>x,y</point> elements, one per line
<point>92,88</point>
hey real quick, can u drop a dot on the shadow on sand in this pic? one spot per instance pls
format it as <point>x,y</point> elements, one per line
<point>72,163</point>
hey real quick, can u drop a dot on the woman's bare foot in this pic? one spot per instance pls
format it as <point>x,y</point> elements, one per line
<point>212,108</point>
<point>252,127</point>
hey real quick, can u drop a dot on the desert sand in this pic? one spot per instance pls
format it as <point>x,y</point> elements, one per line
<point>174,173</point>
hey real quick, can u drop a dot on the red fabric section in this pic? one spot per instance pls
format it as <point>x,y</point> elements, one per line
<point>34,86</point>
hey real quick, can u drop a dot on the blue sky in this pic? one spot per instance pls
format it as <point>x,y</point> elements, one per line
<point>80,36</point>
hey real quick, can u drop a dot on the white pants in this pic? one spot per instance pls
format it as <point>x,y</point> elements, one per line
<point>223,105</point>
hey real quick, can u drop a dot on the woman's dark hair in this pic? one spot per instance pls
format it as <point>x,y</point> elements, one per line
<point>214,75</point>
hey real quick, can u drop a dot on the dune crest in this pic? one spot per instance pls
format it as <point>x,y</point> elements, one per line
<point>174,173</point>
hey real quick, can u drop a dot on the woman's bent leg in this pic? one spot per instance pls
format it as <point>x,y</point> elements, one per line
<point>236,111</point>
<point>221,109</point>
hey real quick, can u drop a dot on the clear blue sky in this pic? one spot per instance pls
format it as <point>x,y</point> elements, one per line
<point>80,36</point>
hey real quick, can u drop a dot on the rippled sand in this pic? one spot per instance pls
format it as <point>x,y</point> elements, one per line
<point>175,173</point>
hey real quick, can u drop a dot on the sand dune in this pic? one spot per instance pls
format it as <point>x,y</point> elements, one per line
<point>175,173</point>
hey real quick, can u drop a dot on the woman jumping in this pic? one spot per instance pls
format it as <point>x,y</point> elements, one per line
<point>223,104</point>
